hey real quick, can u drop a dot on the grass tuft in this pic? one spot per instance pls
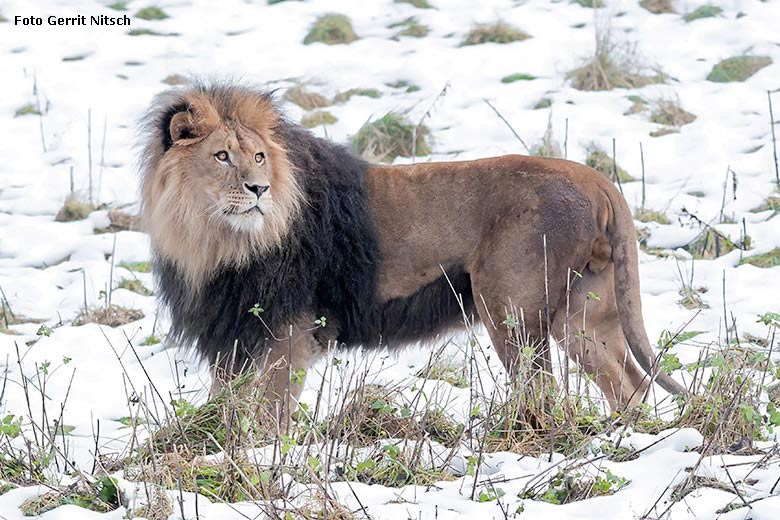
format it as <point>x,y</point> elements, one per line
<point>139,267</point>
<point>407,85</point>
<point>738,68</point>
<point>498,32</point>
<point>709,244</point>
<point>420,4</point>
<point>26,110</point>
<point>331,29</point>
<point>118,6</point>
<point>768,259</point>
<point>704,11</point>
<point>102,497</point>
<point>658,6</point>
<point>651,215</point>
<point>410,27</point>
<point>151,13</point>
<point>318,118</point>
<point>135,286</point>
<point>343,97</point>
<point>600,160</point>
<point>613,65</point>
<point>73,209</point>
<point>112,316</point>
<point>306,99</point>
<point>391,136</point>
<point>591,4</point>
<point>670,113</point>
<point>772,203</point>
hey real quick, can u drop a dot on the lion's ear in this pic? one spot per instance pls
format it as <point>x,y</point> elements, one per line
<point>182,126</point>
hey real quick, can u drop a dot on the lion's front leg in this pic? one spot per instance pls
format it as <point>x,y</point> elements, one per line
<point>276,372</point>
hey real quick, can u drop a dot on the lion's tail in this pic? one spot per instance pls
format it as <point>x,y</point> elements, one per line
<point>622,237</point>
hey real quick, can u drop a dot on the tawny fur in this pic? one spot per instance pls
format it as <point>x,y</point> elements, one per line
<point>510,233</point>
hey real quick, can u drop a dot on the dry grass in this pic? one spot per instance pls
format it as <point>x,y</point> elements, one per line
<point>391,136</point>
<point>613,65</point>
<point>668,112</point>
<point>768,259</point>
<point>112,316</point>
<point>121,221</point>
<point>772,203</point>
<point>410,27</point>
<point>498,32</point>
<point>318,118</point>
<point>658,6</point>
<point>651,215</point>
<point>306,99</point>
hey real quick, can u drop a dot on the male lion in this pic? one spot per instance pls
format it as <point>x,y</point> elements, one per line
<point>245,207</point>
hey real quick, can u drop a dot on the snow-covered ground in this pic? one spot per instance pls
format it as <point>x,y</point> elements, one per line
<point>93,85</point>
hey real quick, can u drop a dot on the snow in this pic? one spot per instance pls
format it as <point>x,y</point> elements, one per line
<point>50,270</point>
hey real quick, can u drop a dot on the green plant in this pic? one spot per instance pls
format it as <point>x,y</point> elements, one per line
<point>331,29</point>
<point>498,32</point>
<point>599,160</point>
<point>28,109</point>
<point>738,68</point>
<point>140,267</point>
<point>118,6</point>
<point>517,77</point>
<point>391,136</point>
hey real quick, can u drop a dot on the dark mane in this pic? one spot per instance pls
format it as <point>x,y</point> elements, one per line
<point>327,266</point>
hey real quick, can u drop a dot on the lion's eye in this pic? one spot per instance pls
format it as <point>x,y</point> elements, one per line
<point>259,157</point>
<point>222,155</point>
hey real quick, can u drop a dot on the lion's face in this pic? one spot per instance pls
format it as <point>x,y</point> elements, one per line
<point>233,175</point>
<point>218,189</point>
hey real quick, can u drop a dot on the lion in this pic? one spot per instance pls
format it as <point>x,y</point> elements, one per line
<point>270,244</point>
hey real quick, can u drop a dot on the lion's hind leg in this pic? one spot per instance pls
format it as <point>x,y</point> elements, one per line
<point>596,340</point>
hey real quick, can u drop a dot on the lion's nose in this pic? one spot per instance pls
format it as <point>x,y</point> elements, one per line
<point>257,189</point>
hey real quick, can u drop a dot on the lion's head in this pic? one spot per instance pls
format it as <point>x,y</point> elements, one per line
<point>217,184</point>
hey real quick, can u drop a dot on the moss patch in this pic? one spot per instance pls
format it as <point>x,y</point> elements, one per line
<point>498,32</point>
<point>318,118</point>
<point>704,11</point>
<point>118,6</point>
<point>151,13</point>
<point>769,259</point>
<point>343,97</point>
<point>390,137</point>
<point>545,102</point>
<point>331,29</point>
<point>601,161</point>
<point>738,68</point>
<point>517,77</point>
<point>410,27</point>
<point>305,98</point>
